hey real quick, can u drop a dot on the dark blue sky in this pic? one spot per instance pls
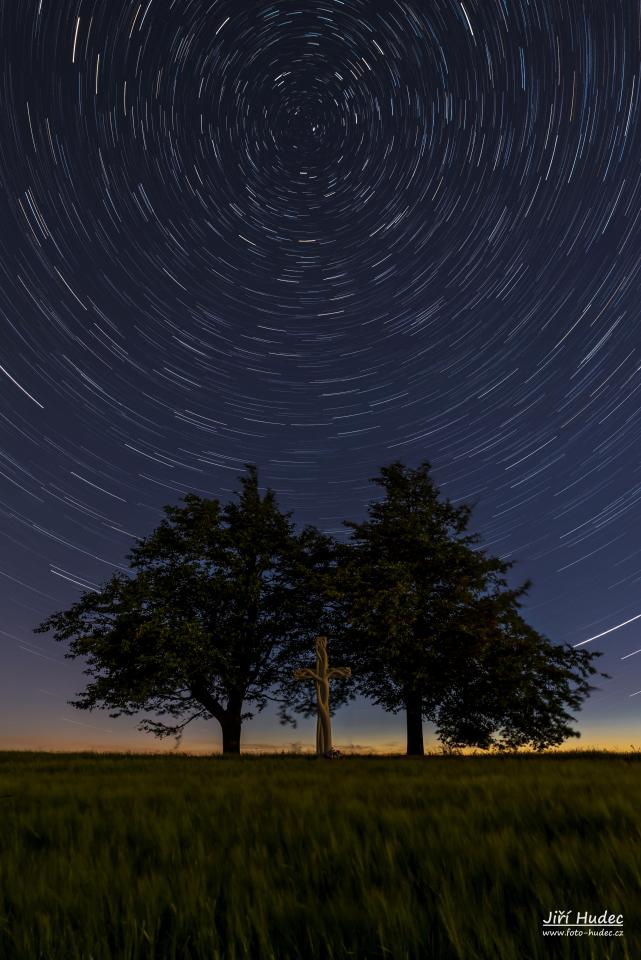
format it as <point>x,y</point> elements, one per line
<point>319,237</point>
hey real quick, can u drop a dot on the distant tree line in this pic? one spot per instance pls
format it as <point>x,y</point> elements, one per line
<point>223,602</point>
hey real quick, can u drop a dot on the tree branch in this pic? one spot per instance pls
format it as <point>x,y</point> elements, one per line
<point>203,696</point>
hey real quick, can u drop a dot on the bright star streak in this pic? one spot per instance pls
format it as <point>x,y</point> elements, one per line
<point>611,630</point>
<point>7,374</point>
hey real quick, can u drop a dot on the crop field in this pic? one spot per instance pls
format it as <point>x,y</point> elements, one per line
<point>120,857</point>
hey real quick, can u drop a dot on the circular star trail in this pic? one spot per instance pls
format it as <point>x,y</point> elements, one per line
<point>319,237</point>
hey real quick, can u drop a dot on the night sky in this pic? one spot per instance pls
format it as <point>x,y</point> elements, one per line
<point>319,236</point>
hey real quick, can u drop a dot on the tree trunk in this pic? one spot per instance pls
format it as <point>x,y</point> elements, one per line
<point>231,733</point>
<point>228,718</point>
<point>413,705</point>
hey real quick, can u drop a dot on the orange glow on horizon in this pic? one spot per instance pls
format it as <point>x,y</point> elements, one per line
<point>616,742</point>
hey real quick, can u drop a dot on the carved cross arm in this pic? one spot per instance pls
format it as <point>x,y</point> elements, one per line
<point>339,672</point>
<point>306,674</point>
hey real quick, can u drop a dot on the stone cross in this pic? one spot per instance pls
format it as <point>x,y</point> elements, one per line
<point>321,677</point>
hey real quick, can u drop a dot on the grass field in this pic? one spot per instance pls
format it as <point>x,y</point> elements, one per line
<point>118,857</point>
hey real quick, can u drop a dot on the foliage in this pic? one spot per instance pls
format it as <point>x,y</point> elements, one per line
<point>209,620</point>
<point>515,690</point>
<point>432,627</point>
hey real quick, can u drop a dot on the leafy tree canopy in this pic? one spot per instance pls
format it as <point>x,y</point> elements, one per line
<point>432,627</point>
<point>219,601</point>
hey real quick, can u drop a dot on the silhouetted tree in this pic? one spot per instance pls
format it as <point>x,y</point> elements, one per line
<point>432,628</point>
<point>514,688</point>
<point>219,601</point>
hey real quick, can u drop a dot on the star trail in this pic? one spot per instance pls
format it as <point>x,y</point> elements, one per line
<point>320,236</point>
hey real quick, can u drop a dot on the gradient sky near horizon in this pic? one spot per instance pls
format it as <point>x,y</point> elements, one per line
<point>319,236</point>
